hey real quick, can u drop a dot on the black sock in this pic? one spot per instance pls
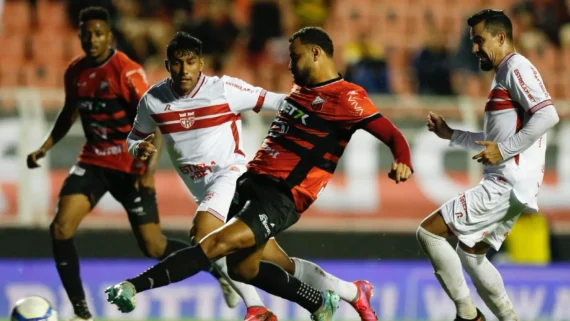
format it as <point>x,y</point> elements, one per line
<point>214,272</point>
<point>67,264</point>
<point>180,265</point>
<point>274,280</point>
<point>172,246</point>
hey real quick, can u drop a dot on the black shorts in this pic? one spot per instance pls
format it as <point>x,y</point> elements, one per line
<point>94,181</point>
<point>265,205</point>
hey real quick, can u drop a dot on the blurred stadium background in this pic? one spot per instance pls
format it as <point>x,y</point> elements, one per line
<point>412,56</point>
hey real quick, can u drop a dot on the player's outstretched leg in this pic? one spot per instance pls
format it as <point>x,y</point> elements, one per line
<point>431,236</point>
<point>232,238</point>
<point>71,210</point>
<point>247,267</point>
<point>357,293</point>
<point>487,280</point>
<point>205,223</point>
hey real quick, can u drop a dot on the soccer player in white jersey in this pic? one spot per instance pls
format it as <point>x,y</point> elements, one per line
<point>199,117</point>
<point>518,114</point>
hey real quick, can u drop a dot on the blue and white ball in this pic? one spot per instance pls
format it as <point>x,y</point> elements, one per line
<point>33,308</point>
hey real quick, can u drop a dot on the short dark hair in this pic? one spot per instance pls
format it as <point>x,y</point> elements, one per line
<point>495,21</point>
<point>183,41</point>
<point>94,13</point>
<point>316,36</point>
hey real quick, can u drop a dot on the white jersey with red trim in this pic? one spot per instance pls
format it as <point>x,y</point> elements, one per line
<point>202,131</point>
<point>517,92</point>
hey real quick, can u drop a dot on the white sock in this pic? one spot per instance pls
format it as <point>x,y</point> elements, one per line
<point>247,292</point>
<point>316,277</point>
<point>489,284</point>
<point>448,271</point>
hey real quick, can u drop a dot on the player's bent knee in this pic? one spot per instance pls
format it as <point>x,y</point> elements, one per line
<point>61,230</point>
<point>216,246</point>
<point>152,250</point>
<point>242,272</point>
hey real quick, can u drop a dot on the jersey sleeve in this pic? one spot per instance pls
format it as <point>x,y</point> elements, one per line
<point>526,87</point>
<point>134,84</point>
<point>243,97</point>
<point>69,82</point>
<point>144,124</point>
<point>358,110</point>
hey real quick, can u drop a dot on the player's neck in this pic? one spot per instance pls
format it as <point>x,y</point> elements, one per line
<point>181,92</point>
<point>503,55</point>
<point>326,74</point>
<point>101,59</point>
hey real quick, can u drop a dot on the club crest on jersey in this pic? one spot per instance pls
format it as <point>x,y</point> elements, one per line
<point>187,119</point>
<point>318,103</point>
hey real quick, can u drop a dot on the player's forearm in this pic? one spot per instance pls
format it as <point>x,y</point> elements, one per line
<point>133,140</point>
<point>383,129</point>
<point>152,164</point>
<point>467,139</point>
<point>538,125</point>
<point>61,127</point>
<point>273,101</point>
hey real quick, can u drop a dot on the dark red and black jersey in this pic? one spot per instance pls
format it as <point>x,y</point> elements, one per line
<point>107,96</point>
<point>309,135</point>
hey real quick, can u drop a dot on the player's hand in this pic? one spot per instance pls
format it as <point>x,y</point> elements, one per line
<point>436,124</point>
<point>400,172</point>
<point>491,155</point>
<point>145,148</point>
<point>34,157</point>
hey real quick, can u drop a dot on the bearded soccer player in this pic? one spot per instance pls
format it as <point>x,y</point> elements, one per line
<point>296,161</point>
<point>512,148</point>
<point>103,88</point>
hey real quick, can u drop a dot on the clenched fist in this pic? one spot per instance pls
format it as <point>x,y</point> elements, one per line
<point>400,172</point>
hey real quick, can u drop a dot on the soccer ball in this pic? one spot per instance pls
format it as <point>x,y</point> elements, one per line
<point>33,308</point>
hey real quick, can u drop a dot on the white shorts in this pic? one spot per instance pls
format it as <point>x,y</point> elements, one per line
<point>215,192</point>
<point>486,213</point>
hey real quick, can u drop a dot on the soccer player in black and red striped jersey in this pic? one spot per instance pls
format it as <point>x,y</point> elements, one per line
<point>102,88</point>
<point>297,159</point>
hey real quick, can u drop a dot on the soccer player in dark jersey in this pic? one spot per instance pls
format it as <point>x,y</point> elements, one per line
<point>294,164</point>
<point>103,88</point>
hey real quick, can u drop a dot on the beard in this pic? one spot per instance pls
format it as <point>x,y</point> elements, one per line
<point>301,76</point>
<point>485,62</point>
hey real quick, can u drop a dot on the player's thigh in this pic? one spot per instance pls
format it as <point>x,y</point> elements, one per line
<point>138,201</point>
<point>203,224</point>
<point>80,192</point>
<point>477,213</point>
<point>263,206</point>
<point>496,237</point>
<point>233,236</point>
<point>275,254</point>
<point>243,265</point>
<point>218,195</point>
<point>435,224</point>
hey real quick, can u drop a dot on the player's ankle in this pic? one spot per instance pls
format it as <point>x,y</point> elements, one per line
<point>81,309</point>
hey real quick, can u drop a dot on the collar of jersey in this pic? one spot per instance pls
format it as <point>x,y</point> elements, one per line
<point>328,82</point>
<point>194,91</point>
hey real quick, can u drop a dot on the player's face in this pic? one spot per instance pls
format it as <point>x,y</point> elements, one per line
<point>96,39</point>
<point>184,68</point>
<point>300,63</point>
<point>485,46</point>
